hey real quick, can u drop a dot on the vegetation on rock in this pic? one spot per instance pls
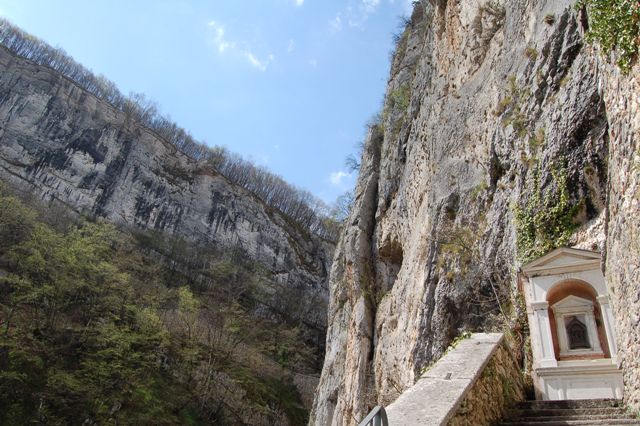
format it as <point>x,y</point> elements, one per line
<point>615,25</point>
<point>546,221</point>
<point>510,108</point>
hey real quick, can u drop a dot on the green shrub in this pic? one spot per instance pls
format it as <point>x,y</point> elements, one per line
<point>615,25</point>
<point>511,109</point>
<point>479,189</point>
<point>401,97</point>
<point>537,140</point>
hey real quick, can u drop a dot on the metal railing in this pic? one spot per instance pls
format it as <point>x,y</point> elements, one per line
<point>377,417</point>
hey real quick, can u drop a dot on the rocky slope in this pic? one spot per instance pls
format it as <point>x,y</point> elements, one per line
<point>65,145</point>
<point>494,111</point>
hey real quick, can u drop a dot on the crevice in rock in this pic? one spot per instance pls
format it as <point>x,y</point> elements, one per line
<point>88,142</point>
<point>423,352</point>
<point>391,255</point>
<point>496,170</point>
<point>109,180</point>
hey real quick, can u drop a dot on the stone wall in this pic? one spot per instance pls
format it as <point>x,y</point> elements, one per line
<point>471,384</point>
<point>500,386</point>
<point>622,263</point>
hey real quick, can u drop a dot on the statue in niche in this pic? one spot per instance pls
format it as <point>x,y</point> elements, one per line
<point>577,333</point>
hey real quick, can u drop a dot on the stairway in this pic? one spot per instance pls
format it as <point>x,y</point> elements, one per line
<point>571,412</point>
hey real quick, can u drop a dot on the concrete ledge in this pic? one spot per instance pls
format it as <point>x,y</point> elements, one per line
<point>437,395</point>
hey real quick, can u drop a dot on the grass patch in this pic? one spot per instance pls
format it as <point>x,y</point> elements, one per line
<point>531,53</point>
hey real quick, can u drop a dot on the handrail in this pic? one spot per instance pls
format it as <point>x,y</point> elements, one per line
<point>377,417</point>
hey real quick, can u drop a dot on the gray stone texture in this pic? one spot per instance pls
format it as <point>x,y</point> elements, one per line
<point>499,387</point>
<point>472,384</point>
<point>480,95</point>
<point>622,263</point>
<point>465,387</point>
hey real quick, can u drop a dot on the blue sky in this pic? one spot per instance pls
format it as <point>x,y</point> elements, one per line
<point>289,84</point>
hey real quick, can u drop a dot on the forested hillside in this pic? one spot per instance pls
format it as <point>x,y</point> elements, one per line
<point>103,326</point>
<point>146,278</point>
<point>244,240</point>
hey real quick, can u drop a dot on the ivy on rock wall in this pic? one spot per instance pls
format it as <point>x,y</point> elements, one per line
<point>546,220</point>
<point>615,25</point>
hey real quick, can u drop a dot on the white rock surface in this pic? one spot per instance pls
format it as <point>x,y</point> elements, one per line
<point>481,94</point>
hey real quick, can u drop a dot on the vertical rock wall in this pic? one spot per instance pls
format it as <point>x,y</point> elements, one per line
<point>484,100</point>
<point>622,265</point>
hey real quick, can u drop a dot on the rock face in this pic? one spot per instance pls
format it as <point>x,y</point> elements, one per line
<point>622,265</point>
<point>64,144</point>
<point>493,110</point>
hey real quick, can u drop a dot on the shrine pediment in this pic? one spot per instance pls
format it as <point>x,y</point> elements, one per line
<point>570,303</point>
<point>561,260</point>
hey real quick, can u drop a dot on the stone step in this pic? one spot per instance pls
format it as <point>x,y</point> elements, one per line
<point>569,412</point>
<point>574,403</point>
<point>608,422</point>
<point>528,412</point>
<point>590,417</point>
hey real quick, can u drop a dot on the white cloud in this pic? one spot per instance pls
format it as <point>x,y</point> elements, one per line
<point>257,63</point>
<point>221,43</point>
<point>355,15</point>
<point>370,6</point>
<point>313,62</point>
<point>337,178</point>
<point>335,25</point>
<point>291,46</point>
<point>299,3</point>
<point>361,13</point>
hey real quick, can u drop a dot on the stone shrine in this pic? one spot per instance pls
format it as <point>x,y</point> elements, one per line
<point>573,337</point>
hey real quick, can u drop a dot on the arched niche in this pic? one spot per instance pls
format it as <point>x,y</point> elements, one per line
<point>573,302</point>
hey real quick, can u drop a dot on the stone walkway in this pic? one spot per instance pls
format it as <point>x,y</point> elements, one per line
<point>436,396</point>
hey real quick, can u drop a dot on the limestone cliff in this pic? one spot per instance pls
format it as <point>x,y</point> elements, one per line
<point>64,144</point>
<point>495,110</point>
